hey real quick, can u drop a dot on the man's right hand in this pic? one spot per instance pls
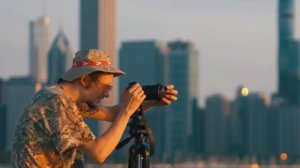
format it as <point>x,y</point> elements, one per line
<point>102,147</point>
<point>132,98</point>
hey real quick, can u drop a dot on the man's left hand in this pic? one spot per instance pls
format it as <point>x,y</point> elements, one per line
<point>170,96</point>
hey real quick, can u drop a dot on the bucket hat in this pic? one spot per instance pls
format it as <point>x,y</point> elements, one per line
<point>88,61</point>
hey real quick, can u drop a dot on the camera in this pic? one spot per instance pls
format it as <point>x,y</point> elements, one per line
<point>152,92</point>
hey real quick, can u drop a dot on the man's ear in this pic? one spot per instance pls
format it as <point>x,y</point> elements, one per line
<point>85,81</point>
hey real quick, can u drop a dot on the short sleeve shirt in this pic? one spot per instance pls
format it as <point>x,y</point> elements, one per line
<point>49,132</point>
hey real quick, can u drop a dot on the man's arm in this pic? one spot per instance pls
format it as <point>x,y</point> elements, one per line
<point>100,148</point>
<point>105,113</point>
<point>109,113</point>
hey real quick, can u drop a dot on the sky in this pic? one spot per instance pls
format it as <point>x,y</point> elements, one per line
<point>236,39</point>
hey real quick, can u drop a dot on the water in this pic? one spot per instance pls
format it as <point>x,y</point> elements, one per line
<point>187,165</point>
<point>198,165</point>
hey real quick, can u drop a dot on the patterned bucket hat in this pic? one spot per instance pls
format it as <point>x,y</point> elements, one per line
<point>88,61</point>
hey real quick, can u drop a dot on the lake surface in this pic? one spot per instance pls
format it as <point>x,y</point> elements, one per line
<point>188,165</point>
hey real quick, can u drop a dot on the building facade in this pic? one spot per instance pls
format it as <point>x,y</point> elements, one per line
<point>257,133</point>
<point>288,131</point>
<point>217,125</point>
<point>182,60</point>
<point>288,54</point>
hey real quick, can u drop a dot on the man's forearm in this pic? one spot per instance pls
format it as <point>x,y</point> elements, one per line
<point>106,143</point>
<point>109,113</point>
<point>105,113</point>
<point>147,105</point>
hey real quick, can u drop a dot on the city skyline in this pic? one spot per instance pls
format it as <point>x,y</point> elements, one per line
<point>243,32</point>
<point>257,50</point>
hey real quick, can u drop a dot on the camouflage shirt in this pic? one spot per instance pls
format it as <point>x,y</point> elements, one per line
<point>49,132</point>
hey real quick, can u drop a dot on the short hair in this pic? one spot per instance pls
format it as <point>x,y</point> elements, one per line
<point>61,80</point>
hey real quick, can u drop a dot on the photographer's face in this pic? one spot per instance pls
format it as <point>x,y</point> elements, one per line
<point>99,89</point>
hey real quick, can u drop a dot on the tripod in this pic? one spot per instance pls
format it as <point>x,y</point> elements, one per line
<point>139,152</point>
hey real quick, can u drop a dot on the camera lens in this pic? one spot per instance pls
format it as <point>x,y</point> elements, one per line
<point>154,92</point>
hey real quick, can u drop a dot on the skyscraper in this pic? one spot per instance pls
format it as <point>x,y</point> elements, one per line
<point>59,58</point>
<point>3,90</point>
<point>143,62</point>
<point>256,104</point>
<point>239,109</point>
<point>3,123</point>
<point>288,131</point>
<point>98,31</point>
<point>216,121</point>
<point>3,113</point>
<point>39,42</point>
<point>288,54</point>
<point>198,135</point>
<point>182,72</point>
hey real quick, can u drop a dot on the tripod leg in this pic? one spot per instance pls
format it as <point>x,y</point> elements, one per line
<point>132,160</point>
<point>142,161</point>
<point>137,159</point>
<point>146,162</point>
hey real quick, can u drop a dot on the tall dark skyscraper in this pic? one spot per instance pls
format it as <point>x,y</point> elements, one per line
<point>182,63</point>
<point>3,113</point>
<point>98,31</point>
<point>143,62</point>
<point>288,53</point>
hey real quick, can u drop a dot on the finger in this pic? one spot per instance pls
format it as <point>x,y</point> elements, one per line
<point>170,87</point>
<point>143,97</point>
<point>140,93</point>
<point>171,97</point>
<point>139,89</point>
<point>165,101</point>
<point>172,92</point>
<point>134,87</point>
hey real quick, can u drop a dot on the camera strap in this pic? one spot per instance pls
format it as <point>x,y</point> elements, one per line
<point>150,137</point>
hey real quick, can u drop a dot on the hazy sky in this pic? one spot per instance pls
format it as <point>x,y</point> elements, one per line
<point>236,39</point>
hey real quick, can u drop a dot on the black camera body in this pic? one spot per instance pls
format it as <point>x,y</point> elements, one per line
<point>152,92</point>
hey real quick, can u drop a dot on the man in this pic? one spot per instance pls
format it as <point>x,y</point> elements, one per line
<point>51,131</point>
